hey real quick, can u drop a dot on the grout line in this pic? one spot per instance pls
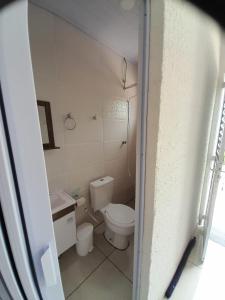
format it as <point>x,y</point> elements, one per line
<point>106,256</point>
<point>98,225</point>
<point>79,285</point>
<point>119,270</point>
<point>113,248</point>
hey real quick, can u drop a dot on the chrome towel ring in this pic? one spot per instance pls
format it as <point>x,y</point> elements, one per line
<point>69,122</point>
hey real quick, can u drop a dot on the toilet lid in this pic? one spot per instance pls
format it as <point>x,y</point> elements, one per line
<point>120,213</point>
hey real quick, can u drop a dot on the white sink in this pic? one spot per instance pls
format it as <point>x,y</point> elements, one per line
<point>60,200</point>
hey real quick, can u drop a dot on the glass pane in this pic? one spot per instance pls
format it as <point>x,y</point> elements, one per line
<point>43,124</point>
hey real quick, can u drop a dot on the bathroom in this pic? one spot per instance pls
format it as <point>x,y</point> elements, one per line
<point>92,91</point>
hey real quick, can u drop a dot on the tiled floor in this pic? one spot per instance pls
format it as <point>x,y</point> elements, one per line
<point>105,273</point>
<point>124,260</point>
<point>205,282</point>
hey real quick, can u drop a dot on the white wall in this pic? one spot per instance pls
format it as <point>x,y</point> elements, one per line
<point>78,75</point>
<point>184,68</point>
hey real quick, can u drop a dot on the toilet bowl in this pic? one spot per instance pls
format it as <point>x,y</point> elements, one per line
<point>119,224</point>
<point>119,218</point>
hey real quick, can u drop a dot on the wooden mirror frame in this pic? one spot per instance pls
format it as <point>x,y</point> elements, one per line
<point>48,114</point>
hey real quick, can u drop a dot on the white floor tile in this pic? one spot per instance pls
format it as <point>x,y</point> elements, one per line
<point>187,285</point>
<point>124,260</point>
<point>100,241</point>
<point>74,269</point>
<point>205,282</point>
<point>106,283</point>
<point>211,283</point>
<point>97,216</point>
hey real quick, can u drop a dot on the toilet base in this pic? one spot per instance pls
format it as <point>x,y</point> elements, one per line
<point>118,241</point>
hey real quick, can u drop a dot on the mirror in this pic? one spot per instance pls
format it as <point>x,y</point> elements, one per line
<point>45,118</point>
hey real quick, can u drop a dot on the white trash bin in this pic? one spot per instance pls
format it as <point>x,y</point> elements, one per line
<point>84,239</point>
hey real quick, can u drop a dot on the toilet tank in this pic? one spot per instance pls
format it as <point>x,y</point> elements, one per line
<point>101,192</point>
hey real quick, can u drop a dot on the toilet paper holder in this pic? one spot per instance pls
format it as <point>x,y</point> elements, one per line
<point>79,202</point>
<point>82,201</point>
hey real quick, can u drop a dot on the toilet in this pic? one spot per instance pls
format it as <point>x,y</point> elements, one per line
<point>119,219</point>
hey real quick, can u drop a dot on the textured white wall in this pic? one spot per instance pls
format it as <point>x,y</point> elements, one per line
<point>79,75</point>
<point>184,68</point>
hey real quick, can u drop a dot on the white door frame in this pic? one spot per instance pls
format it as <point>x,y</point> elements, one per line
<point>143,83</point>
<point>26,159</point>
<point>6,267</point>
<point>13,223</point>
<point>212,170</point>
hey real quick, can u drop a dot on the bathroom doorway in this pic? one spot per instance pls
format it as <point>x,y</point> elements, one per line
<point>85,62</point>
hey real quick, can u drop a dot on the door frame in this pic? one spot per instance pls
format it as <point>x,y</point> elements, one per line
<point>14,113</point>
<point>26,161</point>
<point>143,84</point>
<point>212,169</point>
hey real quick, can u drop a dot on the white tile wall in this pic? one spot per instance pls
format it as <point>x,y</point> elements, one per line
<point>80,76</point>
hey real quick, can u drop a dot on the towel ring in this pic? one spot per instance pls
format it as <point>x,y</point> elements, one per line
<point>69,122</point>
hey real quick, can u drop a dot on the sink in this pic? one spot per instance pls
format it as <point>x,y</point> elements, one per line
<point>60,200</point>
<point>56,201</point>
<point>64,220</point>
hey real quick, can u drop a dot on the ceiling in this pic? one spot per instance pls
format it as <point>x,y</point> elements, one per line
<point>104,20</point>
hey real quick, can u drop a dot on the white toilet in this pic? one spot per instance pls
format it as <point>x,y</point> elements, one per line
<point>119,218</point>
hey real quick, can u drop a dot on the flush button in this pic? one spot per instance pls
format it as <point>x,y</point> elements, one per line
<point>102,179</point>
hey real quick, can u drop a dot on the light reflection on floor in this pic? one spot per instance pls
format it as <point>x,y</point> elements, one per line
<point>212,280</point>
<point>205,282</point>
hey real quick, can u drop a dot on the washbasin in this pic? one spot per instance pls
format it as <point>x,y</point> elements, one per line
<point>60,200</point>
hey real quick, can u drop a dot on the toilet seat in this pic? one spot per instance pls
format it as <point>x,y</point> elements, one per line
<point>120,214</point>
